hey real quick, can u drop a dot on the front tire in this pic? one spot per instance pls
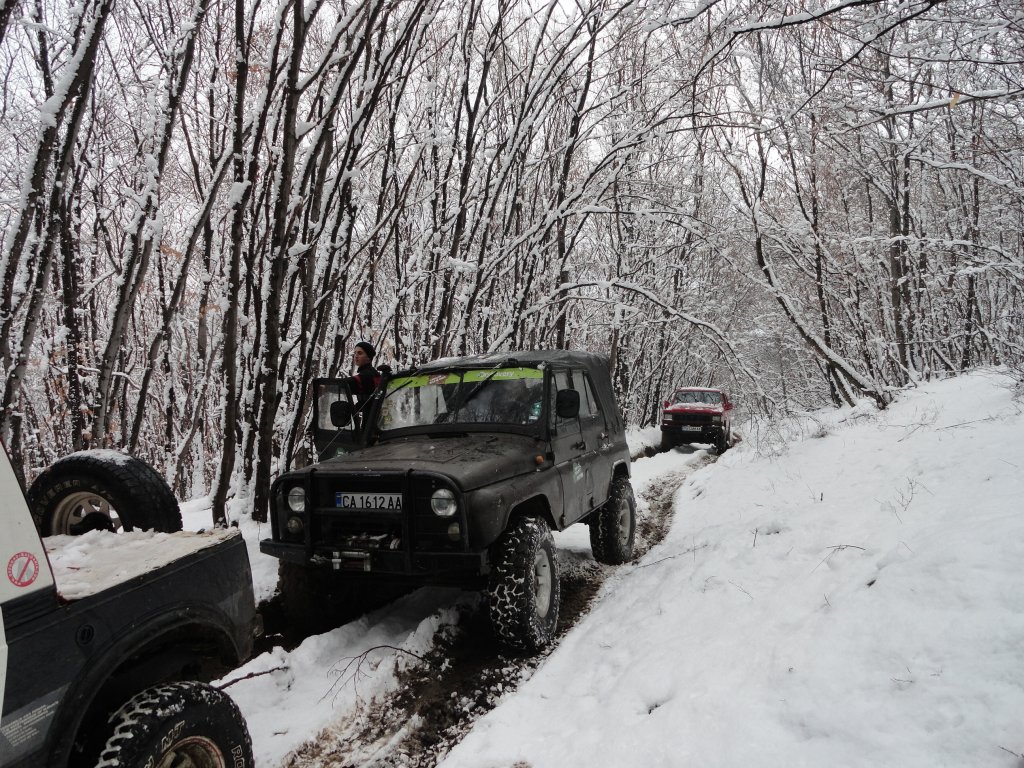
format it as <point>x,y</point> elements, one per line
<point>722,440</point>
<point>186,723</point>
<point>102,490</point>
<point>613,526</point>
<point>524,591</point>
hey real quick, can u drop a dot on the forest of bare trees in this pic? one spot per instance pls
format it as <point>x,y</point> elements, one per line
<point>206,203</point>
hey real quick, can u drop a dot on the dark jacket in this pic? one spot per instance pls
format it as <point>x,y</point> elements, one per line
<point>363,383</point>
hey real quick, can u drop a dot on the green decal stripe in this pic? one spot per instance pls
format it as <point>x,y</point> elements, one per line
<point>421,381</point>
<point>502,374</point>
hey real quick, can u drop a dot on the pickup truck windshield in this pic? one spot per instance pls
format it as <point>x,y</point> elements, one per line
<point>697,396</point>
<point>512,396</point>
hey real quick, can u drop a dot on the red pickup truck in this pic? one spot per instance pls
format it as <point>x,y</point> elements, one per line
<point>697,415</point>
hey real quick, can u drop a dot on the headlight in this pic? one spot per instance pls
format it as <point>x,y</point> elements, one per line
<point>297,499</point>
<point>443,503</point>
<point>716,419</point>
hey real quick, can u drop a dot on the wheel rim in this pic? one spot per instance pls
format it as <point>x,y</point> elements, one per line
<point>624,520</point>
<point>73,509</point>
<point>193,752</point>
<point>542,583</point>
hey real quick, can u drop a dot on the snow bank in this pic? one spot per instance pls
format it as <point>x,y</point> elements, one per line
<point>855,600</point>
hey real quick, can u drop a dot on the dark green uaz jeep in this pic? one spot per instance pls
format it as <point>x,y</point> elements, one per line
<point>456,473</point>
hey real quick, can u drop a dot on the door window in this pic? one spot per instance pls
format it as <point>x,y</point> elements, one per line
<point>587,397</point>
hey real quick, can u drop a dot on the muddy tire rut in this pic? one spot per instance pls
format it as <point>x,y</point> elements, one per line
<point>467,673</point>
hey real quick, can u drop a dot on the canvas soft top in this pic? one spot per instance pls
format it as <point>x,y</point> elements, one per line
<point>549,357</point>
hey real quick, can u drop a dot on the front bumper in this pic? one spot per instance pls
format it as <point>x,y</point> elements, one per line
<point>441,567</point>
<point>694,431</point>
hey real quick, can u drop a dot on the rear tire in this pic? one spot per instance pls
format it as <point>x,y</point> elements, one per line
<point>613,526</point>
<point>186,723</point>
<point>524,591</point>
<point>102,490</point>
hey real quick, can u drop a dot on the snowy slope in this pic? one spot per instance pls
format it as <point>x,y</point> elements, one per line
<point>855,599</point>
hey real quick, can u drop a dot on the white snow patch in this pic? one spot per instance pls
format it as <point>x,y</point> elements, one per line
<point>88,564</point>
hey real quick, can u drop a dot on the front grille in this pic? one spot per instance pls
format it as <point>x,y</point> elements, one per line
<point>700,419</point>
<point>377,529</point>
<point>356,531</point>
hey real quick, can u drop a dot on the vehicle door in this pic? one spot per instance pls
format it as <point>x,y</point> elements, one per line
<point>337,424</point>
<point>573,454</point>
<point>596,433</point>
<point>28,702</point>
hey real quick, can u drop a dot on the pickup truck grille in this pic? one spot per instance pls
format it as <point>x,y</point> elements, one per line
<point>703,419</point>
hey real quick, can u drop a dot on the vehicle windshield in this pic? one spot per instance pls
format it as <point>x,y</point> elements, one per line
<point>697,396</point>
<point>509,396</point>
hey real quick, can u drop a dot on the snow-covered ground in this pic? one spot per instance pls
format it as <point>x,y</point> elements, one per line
<point>845,591</point>
<point>856,599</point>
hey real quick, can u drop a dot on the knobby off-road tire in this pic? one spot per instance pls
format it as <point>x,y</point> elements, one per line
<point>176,724</point>
<point>613,526</point>
<point>314,599</point>
<point>103,490</point>
<point>524,592</point>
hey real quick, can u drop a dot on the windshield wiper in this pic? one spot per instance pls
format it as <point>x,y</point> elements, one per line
<point>404,384</point>
<point>473,392</point>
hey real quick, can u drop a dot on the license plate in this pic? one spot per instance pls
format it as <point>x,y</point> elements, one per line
<point>385,501</point>
<point>688,428</point>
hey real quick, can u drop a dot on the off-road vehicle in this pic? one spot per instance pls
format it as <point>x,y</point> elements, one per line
<point>457,474</point>
<point>697,415</point>
<point>105,639</point>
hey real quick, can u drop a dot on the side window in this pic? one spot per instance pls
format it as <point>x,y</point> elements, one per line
<point>578,380</point>
<point>562,380</point>
<point>589,406</point>
<point>328,392</point>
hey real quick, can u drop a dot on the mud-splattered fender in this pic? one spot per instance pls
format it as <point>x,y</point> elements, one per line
<point>489,509</point>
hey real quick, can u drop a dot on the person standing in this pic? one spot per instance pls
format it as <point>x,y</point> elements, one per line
<point>366,377</point>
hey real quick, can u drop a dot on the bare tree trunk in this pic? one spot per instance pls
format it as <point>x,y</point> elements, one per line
<point>76,92</point>
<point>268,377</point>
<point>141,240</point>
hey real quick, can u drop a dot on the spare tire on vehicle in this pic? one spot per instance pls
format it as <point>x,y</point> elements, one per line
<point>102,490</point>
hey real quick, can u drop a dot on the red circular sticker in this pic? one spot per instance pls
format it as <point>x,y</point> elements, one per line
<point>22,569</point>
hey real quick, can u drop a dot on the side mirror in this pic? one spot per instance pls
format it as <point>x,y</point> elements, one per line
<point>567,403</point>
<point>667,404</point>
<point>341,413</point>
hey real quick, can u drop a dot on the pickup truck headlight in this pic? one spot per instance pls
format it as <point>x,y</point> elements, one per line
<point>716,419</point>
<point>297,499</point>
<point>443,503</point>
